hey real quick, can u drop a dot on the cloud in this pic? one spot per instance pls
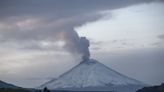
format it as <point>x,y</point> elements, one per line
<point>161,36</point>
<point>159,43</point>
<point>29,22</point>
<point>59,8</point>
<point>31,29</point>
<point>149,61</point>
<point>38,20</point>
<point>95,42</point>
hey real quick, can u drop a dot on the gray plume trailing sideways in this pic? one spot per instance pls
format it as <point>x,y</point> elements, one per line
<point>76,45</point>
<point>84,44</point>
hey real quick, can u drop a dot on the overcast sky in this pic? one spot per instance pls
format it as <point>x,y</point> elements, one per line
<point>126,35</point>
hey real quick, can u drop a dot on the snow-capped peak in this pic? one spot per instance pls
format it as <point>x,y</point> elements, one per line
<point>90,73</point>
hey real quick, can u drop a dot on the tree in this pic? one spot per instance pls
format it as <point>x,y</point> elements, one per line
<point>46,90</point>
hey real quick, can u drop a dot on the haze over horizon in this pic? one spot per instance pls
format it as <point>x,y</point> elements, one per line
<point>125,35</point>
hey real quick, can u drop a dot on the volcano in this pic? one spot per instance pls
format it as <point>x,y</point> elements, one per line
<point>93,75</point>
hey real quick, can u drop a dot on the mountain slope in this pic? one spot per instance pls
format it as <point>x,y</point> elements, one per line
<point>7,85</point>
<point>90,74</point>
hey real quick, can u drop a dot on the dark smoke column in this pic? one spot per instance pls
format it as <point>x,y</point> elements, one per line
<point>76,45</point>
<point>84,48</point>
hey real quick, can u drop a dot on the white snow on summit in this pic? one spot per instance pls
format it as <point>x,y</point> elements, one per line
<point>90,74</point>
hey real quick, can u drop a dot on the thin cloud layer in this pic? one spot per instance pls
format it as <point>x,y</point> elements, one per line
<point>34,21</point>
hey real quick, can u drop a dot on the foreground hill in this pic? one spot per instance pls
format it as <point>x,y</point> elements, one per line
<point>13,90</point>
<point>7,85</point>
<point>152,89</point>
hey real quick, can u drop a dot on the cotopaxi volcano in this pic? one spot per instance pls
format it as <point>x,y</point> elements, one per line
<point>92,75</point>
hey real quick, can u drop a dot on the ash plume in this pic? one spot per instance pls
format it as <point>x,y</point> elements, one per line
<point>76,45</point>
<point>84,48</point>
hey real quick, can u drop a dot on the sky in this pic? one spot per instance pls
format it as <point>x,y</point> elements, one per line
<point>38,38</point>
